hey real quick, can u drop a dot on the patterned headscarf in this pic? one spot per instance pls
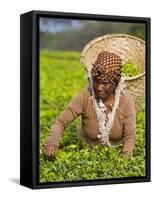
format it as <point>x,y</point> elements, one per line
<point>107,67</point>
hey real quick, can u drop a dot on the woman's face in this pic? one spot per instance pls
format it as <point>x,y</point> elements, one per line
<point>103,89</point>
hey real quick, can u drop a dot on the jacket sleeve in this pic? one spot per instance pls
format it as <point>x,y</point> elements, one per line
<point>70,113</point>
<point>129,131</point>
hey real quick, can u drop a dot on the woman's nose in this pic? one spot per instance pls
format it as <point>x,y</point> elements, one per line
<point>101,87</point>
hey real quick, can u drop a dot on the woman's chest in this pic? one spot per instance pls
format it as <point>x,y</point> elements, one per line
<point>90,122</point>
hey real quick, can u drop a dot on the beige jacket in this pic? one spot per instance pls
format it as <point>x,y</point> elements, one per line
<point>124,127</point>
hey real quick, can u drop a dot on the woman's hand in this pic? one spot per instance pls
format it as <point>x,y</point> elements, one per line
<point>49,150</point>
<point>126,155</point>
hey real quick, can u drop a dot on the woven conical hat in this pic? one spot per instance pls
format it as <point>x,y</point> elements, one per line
<point>129,48</point>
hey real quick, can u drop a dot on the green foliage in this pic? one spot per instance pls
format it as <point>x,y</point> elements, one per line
<point>76,37</point>
<point>61,78</point>
<point>129,69</point>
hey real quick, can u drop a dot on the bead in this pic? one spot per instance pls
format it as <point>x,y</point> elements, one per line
<point>99,136</point>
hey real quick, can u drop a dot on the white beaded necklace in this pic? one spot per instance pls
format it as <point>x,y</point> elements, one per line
<point>104,128</point>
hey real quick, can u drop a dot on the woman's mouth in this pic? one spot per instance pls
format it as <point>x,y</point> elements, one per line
<point>101,92</point>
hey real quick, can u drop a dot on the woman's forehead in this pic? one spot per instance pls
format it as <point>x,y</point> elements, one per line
<point>101,81</point>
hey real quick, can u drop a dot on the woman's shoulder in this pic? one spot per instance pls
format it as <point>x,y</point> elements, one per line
<point>82,96</point>
<point>126,98</point>
<point>85,92</point>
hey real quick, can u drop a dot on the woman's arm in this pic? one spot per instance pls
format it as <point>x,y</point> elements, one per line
<point>70,113</point>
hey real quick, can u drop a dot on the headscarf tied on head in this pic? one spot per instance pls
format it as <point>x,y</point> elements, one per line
<point>107,67</point>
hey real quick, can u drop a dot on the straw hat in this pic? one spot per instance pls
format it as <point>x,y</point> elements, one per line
<point>129,48</point>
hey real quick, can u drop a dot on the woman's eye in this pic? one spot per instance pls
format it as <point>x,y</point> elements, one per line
<point>96,82</point>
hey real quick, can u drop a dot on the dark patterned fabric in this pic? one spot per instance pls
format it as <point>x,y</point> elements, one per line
<point>107,67</point>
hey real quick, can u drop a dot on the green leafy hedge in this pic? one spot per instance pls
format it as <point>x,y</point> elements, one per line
<point>61,78</point>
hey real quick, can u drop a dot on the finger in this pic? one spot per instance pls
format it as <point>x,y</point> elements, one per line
<point>52,151</point>
<point>49,150</point>
<point>45,150</point>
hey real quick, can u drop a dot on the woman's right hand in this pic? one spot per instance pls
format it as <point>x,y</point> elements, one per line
<point>49,150</point>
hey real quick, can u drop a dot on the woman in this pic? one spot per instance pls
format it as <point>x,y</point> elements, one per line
<point>108,112</point>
